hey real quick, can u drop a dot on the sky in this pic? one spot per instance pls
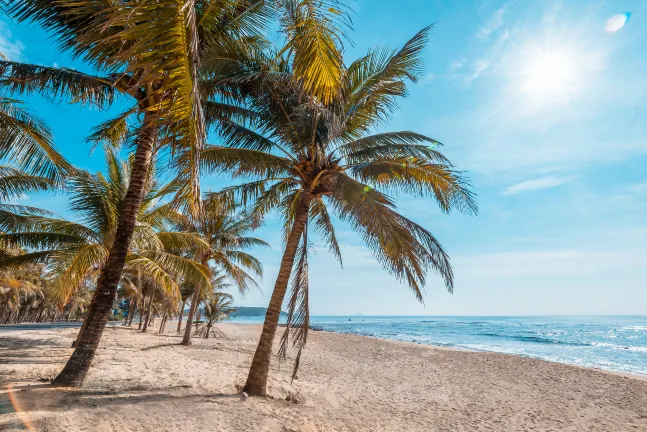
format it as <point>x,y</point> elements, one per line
<point>543,110</point>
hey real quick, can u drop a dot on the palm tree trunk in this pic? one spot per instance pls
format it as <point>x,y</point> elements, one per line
<point>162,324</point>
<point>149,311</point>
<point>179,320</point>
<point>257,379</point>
<point>78,365</point>
<point>195,299</point>
<point>186,341</point>
<point>130,310</point>
<point>132,315</point>
<point>78,336</point>
<point>142,312</point>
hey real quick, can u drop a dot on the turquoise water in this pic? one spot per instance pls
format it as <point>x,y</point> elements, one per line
<point>608,342</point>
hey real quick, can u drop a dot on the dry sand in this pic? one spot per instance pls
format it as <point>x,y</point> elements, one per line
<point>147,382</point>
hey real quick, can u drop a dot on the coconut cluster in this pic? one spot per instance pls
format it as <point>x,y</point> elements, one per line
<point>306,166</point>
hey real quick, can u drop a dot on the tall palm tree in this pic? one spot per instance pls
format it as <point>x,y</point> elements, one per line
<point>305,157</point>
<point>226,233</point>
<point>155,53</point>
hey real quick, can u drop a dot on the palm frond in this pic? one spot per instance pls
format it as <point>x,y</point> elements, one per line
<point>404,248</point>
<point>39,240</point>
<point>189,269</point>
<point>40,257</point>
<point>112,133</point>
<point>323,224</point>
<point>418,177</point>
<point>54,82</point>
<point>375,81</point>
<point>244,162</point>
<point>298,319</point>
<point>314,31</point>
<point>27,140</point>
<point>76,264</point>
<point>15,183</point>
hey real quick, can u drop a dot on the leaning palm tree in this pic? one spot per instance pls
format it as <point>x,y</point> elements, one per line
<point>155,53</point>
<point>77,252</point>
<point>305,157</point>
<point>226,233</point>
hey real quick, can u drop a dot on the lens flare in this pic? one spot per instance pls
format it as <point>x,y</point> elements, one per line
<point>617,22</point>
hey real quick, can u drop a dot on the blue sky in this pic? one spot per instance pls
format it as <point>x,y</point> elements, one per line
<point>544,110</point>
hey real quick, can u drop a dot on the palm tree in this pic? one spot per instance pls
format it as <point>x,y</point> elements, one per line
<point>226,234</point>
<point>76,252</point>
<point>305,156</point>
<point>186,291</point>
<point>155,53</point>
<point>217,308</point>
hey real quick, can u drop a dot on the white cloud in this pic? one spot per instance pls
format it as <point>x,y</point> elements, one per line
<point>492,25</point>
<point>536,184</point>
<point>10,47</point>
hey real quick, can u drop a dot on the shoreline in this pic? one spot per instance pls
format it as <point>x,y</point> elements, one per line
<point>637,376</point>
<point>346,382</point>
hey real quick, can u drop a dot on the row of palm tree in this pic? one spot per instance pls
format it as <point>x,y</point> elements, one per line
<point>293,120</point>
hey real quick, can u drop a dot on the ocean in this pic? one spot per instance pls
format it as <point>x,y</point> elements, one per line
<point>614,343</point>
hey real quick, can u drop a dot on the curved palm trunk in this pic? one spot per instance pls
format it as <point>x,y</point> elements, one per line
<point>257,379</point>
<point>179,319</point>
<point>162,324</point>
<point>132,315</point>
<point>142,312</point>
<point>131,304</point>
<point>148,314</point>
<point>78,336</point>
<point>186,341</point>
<point>195,299</point>
<point>79,363</point>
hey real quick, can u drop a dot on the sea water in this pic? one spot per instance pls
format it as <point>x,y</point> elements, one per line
<point>615,343</point>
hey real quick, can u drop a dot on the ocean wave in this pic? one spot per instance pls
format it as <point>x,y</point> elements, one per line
<point>535,339</point>
<point>641,349</point>
<point>636,327</point>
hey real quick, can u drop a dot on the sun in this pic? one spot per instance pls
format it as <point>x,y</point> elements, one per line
<point>549,74</point>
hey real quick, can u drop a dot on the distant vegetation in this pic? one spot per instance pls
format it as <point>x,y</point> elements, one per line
<point>243,311</point>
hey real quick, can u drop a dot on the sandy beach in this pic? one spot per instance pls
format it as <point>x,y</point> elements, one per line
<point>146,382</point>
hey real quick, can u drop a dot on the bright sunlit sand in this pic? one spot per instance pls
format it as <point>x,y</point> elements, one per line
<point>346,382</point>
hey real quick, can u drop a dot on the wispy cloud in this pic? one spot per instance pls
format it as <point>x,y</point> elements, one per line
<point>495,22</point>
<point>457,64</point>
<point>536,184</point>
<point>478,68</point>
<point>639,187</point>
<point>9,47</point>
<point>547,263</point>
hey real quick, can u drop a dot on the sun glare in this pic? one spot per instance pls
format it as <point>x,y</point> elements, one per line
<point>549,74</point>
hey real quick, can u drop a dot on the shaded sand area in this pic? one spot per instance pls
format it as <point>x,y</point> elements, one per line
<point>146,382</point>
